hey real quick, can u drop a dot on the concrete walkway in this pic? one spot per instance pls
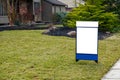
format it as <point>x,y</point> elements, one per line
<point>114,73</point>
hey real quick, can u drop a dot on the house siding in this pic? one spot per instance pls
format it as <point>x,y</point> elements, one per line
<point>72,3</point>
<point>57,9</point>
<point>49,10</point>
<point>4,20</point>
<point>3,15</point>
<point>63,9</point>
<point>46,12</point>
<point>46,9</point>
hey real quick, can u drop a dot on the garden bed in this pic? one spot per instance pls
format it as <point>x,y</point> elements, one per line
<point>23,27</point>
<point>63,31</point>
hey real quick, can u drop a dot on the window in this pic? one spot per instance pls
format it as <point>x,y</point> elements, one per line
<point>3,12</point>
<point>0,9</point>
<point>37,8</point>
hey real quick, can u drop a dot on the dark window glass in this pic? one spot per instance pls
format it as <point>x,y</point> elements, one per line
<point>3,12</point>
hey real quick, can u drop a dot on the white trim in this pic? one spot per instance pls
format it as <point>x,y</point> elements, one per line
<point>3,16</point>
<point>87,23</point>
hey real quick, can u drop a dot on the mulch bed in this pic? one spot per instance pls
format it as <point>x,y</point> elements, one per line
<point>62,31</point>
<point>2,28</point>
<point>104,35</point>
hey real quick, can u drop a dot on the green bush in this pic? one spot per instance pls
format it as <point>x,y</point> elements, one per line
<point>58,17</point>
<point>107,21</point>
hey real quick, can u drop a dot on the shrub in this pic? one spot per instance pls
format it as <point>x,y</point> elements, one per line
<point>107,21</point>
<point>58,17</point>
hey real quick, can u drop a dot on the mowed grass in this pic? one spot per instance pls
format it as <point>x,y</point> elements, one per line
<point>30,55</point>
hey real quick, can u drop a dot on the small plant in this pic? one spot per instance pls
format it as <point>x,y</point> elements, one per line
<point>58,17</point>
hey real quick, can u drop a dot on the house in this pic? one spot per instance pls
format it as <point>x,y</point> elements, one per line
<point>72,3</point>
<point>42,10</point>
<point>50,7</point>
<point>31,6</point>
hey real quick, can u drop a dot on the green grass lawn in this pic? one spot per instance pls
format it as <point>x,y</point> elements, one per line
<point>29,55</point>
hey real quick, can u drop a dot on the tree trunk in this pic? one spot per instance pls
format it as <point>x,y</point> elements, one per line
<point>12,12</point>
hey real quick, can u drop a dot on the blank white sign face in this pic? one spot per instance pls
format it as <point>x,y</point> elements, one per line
<point>87,40</point>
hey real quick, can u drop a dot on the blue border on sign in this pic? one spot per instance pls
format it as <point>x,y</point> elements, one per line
<point>85,56</point>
